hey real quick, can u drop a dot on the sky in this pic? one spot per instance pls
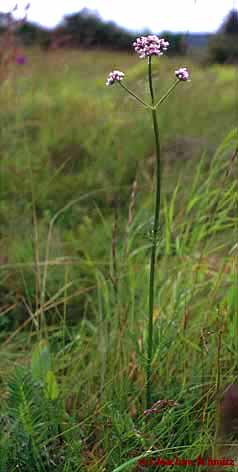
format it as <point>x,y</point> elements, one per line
<point>157,15</point>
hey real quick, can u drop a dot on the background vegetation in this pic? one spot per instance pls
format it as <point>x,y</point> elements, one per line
<point>224,45</point>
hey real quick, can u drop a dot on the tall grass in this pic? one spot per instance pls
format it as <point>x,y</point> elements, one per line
<point>66,165</point>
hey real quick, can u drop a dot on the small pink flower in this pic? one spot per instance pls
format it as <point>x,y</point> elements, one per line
<point>151,45</point>
<point>115,76</point>
<point>21,60</point>
<point>182,74</point>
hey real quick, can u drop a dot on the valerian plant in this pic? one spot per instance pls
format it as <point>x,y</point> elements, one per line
<point>147,47</point>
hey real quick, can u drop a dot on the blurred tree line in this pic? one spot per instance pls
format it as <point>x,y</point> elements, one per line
<point>223,46</point>
<point>86,29</point>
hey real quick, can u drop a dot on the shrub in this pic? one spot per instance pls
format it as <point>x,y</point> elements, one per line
<point>223,47</point>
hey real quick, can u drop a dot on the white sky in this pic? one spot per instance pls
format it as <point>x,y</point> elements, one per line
<point>157,15</point>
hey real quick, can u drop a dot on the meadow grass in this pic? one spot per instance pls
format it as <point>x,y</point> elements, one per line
<point>74,265</point>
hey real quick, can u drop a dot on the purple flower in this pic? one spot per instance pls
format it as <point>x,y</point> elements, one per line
<point>115,76</point>
<point>182,74</point>
<point>151,45</point>
<point>21,60</point>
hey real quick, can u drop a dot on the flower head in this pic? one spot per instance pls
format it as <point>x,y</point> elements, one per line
<point>21,60</point>
<point>151,45</point>
<point>182,74</point>
<point>115,76</point>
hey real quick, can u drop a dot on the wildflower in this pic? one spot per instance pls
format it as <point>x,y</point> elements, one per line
<point>115,76</point>
<point>21,60</point>
<point>151,45</point>
<point>182,74</point>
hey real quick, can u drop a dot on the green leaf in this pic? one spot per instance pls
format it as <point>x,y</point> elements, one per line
<point>41,361</point>
<point>52,389</point>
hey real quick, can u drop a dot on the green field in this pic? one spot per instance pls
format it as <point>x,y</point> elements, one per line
<point>77,198</point>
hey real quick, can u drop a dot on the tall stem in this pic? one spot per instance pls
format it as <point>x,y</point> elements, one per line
<point>134,95</point>
<point>167,93</point>
<point>154,241</point>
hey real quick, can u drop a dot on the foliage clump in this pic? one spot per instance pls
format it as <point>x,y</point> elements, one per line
<point>223,47</point>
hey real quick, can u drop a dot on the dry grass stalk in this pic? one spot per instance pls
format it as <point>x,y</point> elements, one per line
<point>131,212</point>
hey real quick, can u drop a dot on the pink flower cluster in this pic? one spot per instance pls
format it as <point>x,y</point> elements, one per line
<point>115,76</point>
<point>151,45</point>
<point>147,46</point>
<point>182,74</point>
<point>21,60</point>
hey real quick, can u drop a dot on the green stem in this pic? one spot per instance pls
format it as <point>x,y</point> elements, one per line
<point>134,95</point>
<point>154,241</point>
<point>167,93</point>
